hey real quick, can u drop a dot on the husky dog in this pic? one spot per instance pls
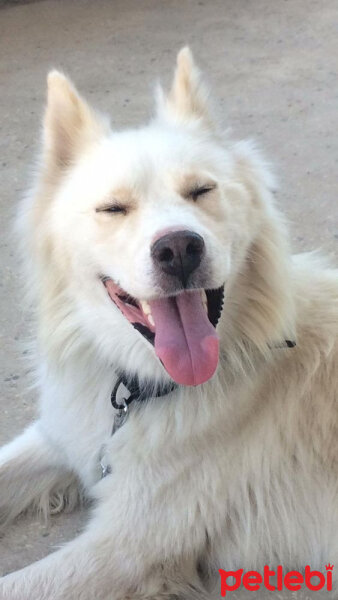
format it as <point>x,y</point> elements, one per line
<point>187,362</point>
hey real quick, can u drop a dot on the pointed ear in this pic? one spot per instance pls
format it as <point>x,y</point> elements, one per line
<point>188,96</point>
<point>70,125</point>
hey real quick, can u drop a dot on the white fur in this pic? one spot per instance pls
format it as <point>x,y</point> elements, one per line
<point>237,473</point>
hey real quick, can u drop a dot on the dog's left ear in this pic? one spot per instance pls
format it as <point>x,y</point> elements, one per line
<point>187,98</point>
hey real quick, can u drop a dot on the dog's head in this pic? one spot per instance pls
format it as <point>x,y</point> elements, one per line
<point>137,232</point>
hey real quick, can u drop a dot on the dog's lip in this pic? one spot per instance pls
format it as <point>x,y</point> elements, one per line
<point>138,311</point>
<point>182,329</point>
<point>134,310</point>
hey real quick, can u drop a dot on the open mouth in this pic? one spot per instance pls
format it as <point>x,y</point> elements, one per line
<point>181,328</point>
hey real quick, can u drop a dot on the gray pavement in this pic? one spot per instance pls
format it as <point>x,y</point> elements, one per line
<point>273,67</point>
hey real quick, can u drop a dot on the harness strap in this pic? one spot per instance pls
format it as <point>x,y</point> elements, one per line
<point>145,391</point>
<point>137,391</point>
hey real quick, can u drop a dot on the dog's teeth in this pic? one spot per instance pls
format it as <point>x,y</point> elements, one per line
<point>204,300</point>
<point>145,307</point>
<point>147,311</point>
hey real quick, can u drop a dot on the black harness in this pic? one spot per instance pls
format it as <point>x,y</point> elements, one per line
<point>145,391</point>
<point>138,392</point>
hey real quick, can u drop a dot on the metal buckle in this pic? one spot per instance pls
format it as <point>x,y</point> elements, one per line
<point>120,416</point>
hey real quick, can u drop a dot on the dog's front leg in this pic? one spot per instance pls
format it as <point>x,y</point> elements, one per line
<point>133,533</point>
<point>31,470</point>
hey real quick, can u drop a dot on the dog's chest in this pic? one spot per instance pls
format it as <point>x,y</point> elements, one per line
<point>79,422</point>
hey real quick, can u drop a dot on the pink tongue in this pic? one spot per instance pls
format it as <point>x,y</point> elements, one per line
<point>185,340</point>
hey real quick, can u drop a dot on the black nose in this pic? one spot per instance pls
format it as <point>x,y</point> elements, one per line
<point>178,253</point>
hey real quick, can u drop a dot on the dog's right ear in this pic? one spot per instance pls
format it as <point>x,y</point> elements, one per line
<point>70,125</point>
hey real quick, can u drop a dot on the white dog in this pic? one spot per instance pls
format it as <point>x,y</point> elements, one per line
<point>187,363</point>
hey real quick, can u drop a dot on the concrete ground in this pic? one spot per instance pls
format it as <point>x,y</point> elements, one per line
<point>273,67</point>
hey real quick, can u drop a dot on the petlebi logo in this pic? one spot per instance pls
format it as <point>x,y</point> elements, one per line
<point>289,580</point>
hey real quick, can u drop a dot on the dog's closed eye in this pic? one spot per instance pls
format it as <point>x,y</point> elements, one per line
<point>202,190</point>
<point>193,187</point>
<point>112,208</point>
